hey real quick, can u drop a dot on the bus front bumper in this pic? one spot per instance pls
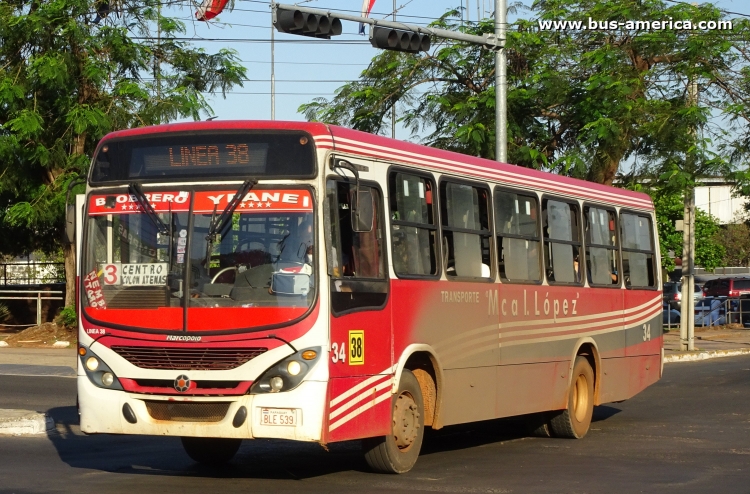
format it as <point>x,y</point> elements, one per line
<point>298,414</point>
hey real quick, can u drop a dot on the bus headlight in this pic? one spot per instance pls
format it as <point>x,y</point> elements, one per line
<point>108,379</point>
<point>293,368</point>
<point>97,371</point>
<point>92,363</point>
<point>276,383</point>
<point>287,374</point>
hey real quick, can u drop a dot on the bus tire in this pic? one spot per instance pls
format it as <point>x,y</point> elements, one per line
<point>537,424</point>
<point>398,452</point>
<point>211,450</point>
<point>574,422</point>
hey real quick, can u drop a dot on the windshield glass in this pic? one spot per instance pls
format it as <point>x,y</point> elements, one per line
<point>258,270</point>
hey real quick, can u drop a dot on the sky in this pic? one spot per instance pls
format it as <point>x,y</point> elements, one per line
<point>306,68</point>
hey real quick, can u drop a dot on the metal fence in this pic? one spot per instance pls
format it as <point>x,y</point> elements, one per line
<point>38,295</point>
<point>32,273</point>
<point>712,311</point>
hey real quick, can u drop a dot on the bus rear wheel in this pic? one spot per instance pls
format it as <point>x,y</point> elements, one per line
<point>575,421</point>
<point>398,452</point>
<point>211,450</point>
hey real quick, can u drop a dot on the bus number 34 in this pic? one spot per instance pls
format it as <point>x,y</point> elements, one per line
<point>338,352</point>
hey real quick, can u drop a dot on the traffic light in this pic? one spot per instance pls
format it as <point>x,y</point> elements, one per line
<point>297,22</point>
<point>398,40</point>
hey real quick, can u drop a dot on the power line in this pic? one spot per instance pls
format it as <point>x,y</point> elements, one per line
<point>720,10</point>
<point>306,81</point>
<point>268,92</point>
<point>308,63</point>
<point>256,40</point>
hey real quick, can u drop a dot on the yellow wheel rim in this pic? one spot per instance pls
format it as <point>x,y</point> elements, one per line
<point>580,398</point>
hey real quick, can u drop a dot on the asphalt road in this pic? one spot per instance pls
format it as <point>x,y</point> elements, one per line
<point>688,433</point>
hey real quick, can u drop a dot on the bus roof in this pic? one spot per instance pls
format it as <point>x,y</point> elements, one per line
<point>374,146</point>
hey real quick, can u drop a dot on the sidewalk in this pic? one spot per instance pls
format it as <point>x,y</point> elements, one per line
<point>711,343</point>
<point>36,362</point>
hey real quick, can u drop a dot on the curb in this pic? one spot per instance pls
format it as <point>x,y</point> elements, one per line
<point>696,356</point>
<point>24,422</point>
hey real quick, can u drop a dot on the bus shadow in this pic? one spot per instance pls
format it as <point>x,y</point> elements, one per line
<point>164,456</point>
<point>260,458</point>
<point>493,431</point>
<point>604,412</point>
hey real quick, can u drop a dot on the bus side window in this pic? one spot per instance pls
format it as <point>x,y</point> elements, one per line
<point>356,259</point>
<point>517,230</point>
<point>466,232</point>
<point>602,255</point>
<point>562,242</point>
<point>413,225</point>
<point>637,251</point>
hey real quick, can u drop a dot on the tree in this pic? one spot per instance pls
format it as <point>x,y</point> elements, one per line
<point>709,249</point>
<point>735,238</point>
<point>581,102</point>
<point>71,71</point>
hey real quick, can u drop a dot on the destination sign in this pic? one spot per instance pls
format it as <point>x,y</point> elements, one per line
<point>144,274</point>
<point>207,155</point>
<point>225,154</point>
<point>250,156</point>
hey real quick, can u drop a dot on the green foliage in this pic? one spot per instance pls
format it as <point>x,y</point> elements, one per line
<point>65,82</point>
<point>735,238</point>
<point>580,102</point>
<point>709,250</point>
<point>4,312</point>
<point>67,317</point>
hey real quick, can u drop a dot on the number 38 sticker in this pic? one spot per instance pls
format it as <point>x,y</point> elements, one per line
<point>357,347</point>
<point>356,344</point>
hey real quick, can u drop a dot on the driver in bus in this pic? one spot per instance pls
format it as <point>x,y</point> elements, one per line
<point>296,249</point>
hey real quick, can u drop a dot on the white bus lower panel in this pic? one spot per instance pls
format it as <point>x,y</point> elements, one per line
<point>296,414</point>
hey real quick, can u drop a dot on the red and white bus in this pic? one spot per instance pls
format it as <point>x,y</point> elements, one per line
<point>302,281</point>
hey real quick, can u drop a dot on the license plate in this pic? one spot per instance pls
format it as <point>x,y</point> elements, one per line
<point>278,416</point>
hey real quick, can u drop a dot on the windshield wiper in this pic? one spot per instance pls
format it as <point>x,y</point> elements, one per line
<point>135,189</point>
<point>219,223</point>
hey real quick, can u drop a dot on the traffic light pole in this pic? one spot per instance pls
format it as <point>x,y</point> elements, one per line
<point>488,40</point>
<point>321,23</point>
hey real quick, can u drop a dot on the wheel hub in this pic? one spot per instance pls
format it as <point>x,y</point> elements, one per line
<point>580,398</point>
<point>405,421</point>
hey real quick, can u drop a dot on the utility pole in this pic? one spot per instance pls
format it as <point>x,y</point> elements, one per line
<point>273,75</point>
<point>393,108</point>
<point>501,83</point>
<point>687,317</point>
<point>157,54</point>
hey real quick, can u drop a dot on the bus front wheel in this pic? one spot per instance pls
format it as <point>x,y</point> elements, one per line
<point>398,452</point>
<point>211,450</point>
<point>575,421</point>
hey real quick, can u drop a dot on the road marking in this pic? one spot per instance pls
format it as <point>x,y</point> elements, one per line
<point>37,370</point>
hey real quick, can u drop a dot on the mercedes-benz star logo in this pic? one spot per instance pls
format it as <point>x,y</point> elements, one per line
<point>182,383</point>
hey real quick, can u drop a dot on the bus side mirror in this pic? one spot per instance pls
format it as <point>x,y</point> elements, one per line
<point>362,212</point>
<point>69,236</point>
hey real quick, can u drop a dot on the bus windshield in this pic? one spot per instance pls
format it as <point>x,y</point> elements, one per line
<point>258,270</point>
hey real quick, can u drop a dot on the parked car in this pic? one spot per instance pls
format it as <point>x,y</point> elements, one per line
<point>669,316</point>
<point>712,311</point>
<point>727,287</point>
<point>673,294</point>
